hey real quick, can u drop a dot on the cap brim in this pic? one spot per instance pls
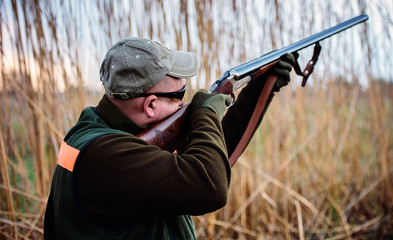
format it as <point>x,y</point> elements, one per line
<point>185,66</point>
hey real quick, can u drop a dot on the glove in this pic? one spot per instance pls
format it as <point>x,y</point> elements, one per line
<point>215,102</point>
<point>282,70</point>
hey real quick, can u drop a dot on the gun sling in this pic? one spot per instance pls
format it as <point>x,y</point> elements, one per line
<point>263,98</point>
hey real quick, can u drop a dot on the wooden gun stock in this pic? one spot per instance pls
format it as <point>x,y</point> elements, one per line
<point>168,133</point>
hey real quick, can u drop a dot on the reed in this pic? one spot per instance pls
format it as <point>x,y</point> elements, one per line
<point>315,169</point>
<point>320,165</point>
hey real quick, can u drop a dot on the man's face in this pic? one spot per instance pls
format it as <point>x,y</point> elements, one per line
<point>167,106</point>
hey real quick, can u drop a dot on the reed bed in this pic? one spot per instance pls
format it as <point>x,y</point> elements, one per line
<point>320,165</point>
<point>318,168</point>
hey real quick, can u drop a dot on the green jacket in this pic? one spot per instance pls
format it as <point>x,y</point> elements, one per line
<point>110,184</point>
<point>119,187</point>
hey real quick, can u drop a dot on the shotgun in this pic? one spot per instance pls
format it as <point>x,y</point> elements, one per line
<point>168,134</point>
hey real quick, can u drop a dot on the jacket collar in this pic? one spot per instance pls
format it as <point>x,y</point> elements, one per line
<point>116,119</point>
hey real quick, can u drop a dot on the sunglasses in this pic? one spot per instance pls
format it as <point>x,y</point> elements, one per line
<point>176,95</point>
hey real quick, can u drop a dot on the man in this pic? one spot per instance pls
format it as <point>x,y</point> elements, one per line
<point>109,184</point>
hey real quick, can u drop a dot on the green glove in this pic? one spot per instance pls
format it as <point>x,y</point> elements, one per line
<point>215,102</point>
<point>282,70</point>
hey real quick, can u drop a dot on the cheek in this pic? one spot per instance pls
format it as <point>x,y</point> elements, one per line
<point>168,109</point>
<point>172,108</point>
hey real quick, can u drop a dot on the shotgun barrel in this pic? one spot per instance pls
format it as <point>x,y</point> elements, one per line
<point>254,65</point>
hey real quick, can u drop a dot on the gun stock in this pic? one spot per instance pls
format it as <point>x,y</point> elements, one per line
<point>168,134</point>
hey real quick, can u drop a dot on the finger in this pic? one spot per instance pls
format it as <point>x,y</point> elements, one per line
<point>282,71</point>
<point>282,82</point>
<point>283,74</point>
<point>282,65</point>
<point>228,100</point>
<point>289,58</point>
<point>295,55</point>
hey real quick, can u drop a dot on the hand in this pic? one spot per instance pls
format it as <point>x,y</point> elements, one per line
<point>282,70</point>
<point>215,102</point>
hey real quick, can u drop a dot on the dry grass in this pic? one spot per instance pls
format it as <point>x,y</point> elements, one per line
<point>319,167</point>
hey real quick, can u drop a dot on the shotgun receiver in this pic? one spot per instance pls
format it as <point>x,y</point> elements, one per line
<point>168,133</point>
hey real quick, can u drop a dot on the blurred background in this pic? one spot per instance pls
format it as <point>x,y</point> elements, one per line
<point>320,165</point>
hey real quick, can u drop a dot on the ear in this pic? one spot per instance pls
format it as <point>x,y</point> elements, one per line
<point>150,105</point>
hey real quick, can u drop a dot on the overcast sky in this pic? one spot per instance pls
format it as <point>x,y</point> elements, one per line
<point>239,35</point>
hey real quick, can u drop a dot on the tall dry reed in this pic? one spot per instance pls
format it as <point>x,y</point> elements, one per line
<point>318,167</point>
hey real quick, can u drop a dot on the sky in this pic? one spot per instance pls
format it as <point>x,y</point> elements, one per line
<point>85,32</point>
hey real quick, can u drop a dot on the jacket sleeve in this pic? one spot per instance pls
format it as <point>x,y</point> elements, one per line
<point>238,116</point>
<point>122,176</point>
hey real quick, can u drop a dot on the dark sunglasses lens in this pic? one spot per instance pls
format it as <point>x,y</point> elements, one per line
<point>178,94</point>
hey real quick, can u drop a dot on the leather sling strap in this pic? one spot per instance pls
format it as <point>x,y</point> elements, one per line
<point>310,65</point>
<point>258,111</point>
<point>263,98</point>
